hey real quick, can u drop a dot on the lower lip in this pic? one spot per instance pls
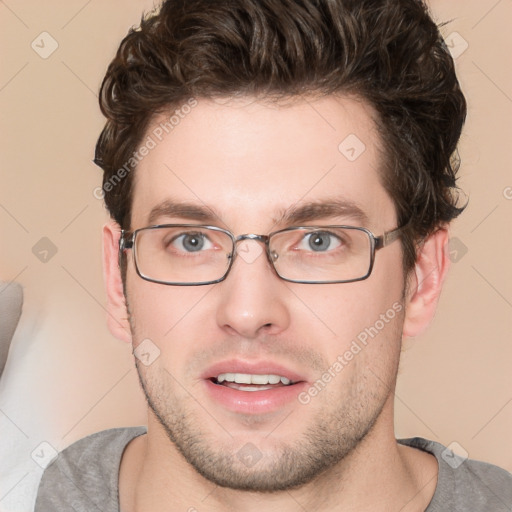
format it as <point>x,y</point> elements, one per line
<point>254,402</point>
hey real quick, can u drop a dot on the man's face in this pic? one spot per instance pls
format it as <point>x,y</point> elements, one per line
<point>248,164</point>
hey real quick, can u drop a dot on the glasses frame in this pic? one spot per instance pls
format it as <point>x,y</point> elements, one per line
<point>128,238</point>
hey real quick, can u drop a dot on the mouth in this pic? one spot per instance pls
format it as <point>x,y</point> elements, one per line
<point>252,382</point>
<point>253,388</point>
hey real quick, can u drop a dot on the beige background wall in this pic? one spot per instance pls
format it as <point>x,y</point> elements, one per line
<point>68,377</point>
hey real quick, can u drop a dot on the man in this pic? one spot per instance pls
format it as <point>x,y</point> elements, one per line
<point>280,180</point>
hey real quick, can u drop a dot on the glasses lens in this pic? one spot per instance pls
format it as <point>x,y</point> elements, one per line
<point>181,254</point>
<point>322,254</point>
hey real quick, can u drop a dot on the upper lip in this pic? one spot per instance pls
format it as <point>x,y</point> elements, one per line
<point>253,368</point>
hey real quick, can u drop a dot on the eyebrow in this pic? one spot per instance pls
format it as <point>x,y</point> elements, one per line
<point>294,215</point>
<point>331,208</point>
<point>182,210</point>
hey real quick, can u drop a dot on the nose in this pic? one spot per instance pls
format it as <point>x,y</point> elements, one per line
<point>252,298</point>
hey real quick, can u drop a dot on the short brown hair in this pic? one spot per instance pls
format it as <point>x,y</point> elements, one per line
<point>390,53</point>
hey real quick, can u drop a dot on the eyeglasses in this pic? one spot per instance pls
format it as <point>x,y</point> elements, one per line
<point>193,255</point>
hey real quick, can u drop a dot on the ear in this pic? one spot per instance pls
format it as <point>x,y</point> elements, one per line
<point>425,283</point>
<point>117,319</point>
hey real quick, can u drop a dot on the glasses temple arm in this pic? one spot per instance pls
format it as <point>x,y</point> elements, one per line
<point>125,242</point>
<point>386,238</point>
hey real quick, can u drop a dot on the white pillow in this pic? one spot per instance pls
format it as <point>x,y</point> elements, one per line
<point>11,301</point>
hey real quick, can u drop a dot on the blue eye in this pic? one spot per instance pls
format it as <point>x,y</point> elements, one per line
<point>320,241</point>
<point>191,242</point>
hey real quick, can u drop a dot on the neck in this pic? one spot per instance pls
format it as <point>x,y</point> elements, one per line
<point>377,475</point>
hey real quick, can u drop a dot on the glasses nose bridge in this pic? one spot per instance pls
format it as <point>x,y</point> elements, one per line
<point>251,236</point>
<point>264,239</point>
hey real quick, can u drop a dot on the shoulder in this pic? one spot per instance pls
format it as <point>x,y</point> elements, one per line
<point>465,484</point>
<point>85,474</point>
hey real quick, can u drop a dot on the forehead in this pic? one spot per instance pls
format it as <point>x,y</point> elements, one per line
<point>251,161</point>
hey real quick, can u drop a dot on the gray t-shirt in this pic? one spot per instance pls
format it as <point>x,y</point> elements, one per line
<point>85,477</point>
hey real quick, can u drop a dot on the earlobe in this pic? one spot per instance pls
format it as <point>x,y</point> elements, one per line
<point>117,319</point>
<point>425,283</point>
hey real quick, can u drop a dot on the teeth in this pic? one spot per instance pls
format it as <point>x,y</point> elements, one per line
<point>246,378</point>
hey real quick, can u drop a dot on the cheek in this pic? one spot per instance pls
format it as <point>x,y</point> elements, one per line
<point>167,323</point>
<point>164,314</point>
<point>355,317</point>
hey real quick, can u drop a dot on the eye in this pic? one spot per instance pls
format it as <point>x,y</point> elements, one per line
<point>320,241</point>
<point>191,242</point>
